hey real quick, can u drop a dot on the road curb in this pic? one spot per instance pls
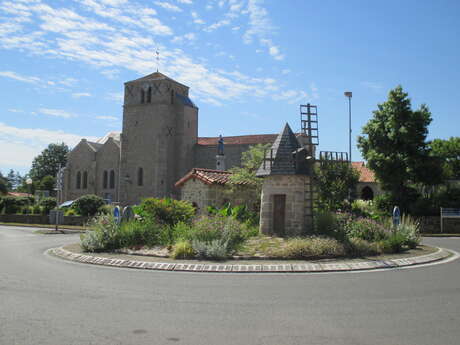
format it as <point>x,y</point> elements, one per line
<point>344,266</point>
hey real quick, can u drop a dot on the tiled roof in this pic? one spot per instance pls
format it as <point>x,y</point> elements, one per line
<point>156,76</point>
<point>365,174</point>
<point>281,154</point>
<point>207,176</point>
<point>239,140</point>
<point>17,194</point>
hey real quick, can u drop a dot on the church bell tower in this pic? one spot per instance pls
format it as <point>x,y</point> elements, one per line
<point>160,129</point>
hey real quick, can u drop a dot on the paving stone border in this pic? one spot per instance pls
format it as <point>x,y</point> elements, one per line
<point>341,266</point>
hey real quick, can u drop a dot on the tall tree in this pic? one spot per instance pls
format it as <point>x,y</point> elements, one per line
<point>449,153</point>
<point>3,185</point>
<point>336,181</point>
<point>394,145</point>
<point>48,161</point>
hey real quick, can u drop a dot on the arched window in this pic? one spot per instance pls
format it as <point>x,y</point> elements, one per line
<point>85,179</point>
<point>112,179</point>
<point>140,177</point>
<point>367,193</point>
<point>105,179</point>
<point>149,94</point>
<point>78,185</point>
<point>142,96</point>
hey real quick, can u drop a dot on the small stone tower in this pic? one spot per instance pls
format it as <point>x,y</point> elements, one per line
<point>286,205</point>
<point>160,129</point>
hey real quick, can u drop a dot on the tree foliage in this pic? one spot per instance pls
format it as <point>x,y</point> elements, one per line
<point>3,185</point>
<point>250,162</point>
<point>395,148</point>
<point>449,153</point>
<point>47,183</point>
<point>48,161</point>
<point>246,174</point>
<point>88,205</point>
<point>336,181</point>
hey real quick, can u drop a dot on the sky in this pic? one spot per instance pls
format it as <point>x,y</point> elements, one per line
<point>249,65</point>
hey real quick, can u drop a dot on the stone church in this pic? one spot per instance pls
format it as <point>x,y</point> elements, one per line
<point>158,145</point>
<point>159,154</point>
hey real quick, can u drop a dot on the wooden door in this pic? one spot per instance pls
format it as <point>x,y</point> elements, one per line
<point>279,211</point>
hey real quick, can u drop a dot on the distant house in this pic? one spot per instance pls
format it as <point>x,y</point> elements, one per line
<point>208,187</point>
<point>367,187</point>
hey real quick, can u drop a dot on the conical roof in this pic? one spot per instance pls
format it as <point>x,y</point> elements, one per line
<point>279,160</point>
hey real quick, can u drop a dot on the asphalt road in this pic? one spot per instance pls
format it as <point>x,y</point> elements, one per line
<point>45,300</point>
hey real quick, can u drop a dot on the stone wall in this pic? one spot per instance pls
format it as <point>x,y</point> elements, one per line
<point>40,219</point>
<point>205,155</point>
<point>203,195</point>
<point>297,220</point>
<point>432,225</point>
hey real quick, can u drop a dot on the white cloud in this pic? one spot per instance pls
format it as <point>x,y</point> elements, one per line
<point>110,118</point>
<point>81,94</point>
<point>168,6</point>
<point>372,85</point>
<point>18,77</point>
<point>13,110</point>
<point>286,71</point>
<point>187,38</point>
<point>56,112</point>
<point>187,2</point>
<point>212,27</point>
<point>115,96</point>
<point>260,27</point>
<point>21,145</point>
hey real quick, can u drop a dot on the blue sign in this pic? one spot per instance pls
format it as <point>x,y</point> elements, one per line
<point>396,216</point>
<point>117,214</point>
<point>128,213</point>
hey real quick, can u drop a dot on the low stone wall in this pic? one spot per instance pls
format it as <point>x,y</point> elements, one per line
<point>40,219</point>
<point>432,225</point>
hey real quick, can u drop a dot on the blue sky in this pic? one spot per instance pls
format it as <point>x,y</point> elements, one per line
<point>249,64</point>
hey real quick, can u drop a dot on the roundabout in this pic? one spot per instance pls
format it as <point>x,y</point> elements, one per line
<point>47,300</point>
<point>398,261</point>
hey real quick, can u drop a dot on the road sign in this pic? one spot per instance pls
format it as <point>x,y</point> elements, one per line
<point>117,214</point>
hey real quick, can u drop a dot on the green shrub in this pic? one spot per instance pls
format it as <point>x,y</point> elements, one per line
<point>360,247</point>
<point>102,236</point>
<point>212,228</point>
<point>136,233</point>
<point>36,209</point>
<point>393,244</point>
<point>47,204</point>
<point>166,211</point>
<point>331,224</point>
<point>312,247</point>
<point>88,205</point>
<point>183,250</point>
<point>410,229</point>
<point>106,209</point>
<point>240,212</point>
<point>12,204</point>
<point>215,249</point>
<point>172,234</point>
<point>70,212</point>
<point>367,229</point>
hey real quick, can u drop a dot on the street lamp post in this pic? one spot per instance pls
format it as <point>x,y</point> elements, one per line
<point>349,94</point>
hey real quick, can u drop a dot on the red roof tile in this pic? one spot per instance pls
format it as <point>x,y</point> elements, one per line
<point>17,194</point>
<point>207,176</point>
<point>239,140</point>
<point>365,174</point>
